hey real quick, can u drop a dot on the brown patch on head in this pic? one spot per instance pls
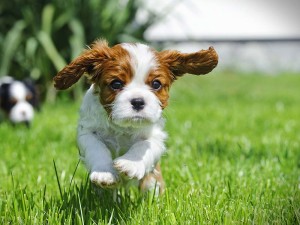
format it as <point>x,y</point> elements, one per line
<point>164,76</point>
<point>118,67</point>
<point>172,64</point>
<point>102,65</point>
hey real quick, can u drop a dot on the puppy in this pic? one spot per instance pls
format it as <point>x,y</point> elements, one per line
<point>18,100</point>
<point>120,129</point>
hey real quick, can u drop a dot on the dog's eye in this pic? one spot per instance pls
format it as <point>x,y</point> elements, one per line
<point>156,85</point>
<point>116,85</point>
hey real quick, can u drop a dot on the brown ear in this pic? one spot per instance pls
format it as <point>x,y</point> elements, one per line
<point>88,62</point>
<point>198,63</point>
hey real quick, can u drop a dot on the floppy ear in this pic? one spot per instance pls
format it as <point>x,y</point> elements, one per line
<point>198,63</point>
<point>88,62</point>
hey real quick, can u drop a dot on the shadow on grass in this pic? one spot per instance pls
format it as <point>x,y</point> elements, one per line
<point>86,203</point>
<point>78,204</point>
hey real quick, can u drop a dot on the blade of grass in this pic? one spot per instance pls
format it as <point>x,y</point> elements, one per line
<point>51,50</point>
<point>11,43</point>
<point>80,207</point>
<point>73,175</point>
<point>47,17</point>
<point>57,178</point>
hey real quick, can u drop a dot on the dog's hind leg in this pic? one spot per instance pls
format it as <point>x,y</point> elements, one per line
<point>153,181</point>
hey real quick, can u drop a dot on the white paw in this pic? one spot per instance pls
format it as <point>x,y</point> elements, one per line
<point>131,169</point>
<point>104,179</point>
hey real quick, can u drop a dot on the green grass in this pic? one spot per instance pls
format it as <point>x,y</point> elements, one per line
<point>233,158</point>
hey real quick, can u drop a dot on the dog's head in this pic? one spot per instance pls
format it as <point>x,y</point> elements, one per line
<point>134,80</point>
<point>18,99</point>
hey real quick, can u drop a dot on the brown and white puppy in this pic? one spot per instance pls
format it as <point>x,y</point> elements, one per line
<point>120,129</point>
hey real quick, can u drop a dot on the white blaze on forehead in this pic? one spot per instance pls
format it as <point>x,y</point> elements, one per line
<point>142,60</point>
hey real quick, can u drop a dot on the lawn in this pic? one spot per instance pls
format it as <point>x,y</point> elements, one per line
<point>233,158</point>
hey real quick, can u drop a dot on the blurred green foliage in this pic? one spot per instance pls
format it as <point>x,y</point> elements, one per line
<point>37,38</point>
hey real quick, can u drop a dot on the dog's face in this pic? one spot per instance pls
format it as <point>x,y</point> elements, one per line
<point>133,85</point>
<point>17,100</point>
<point>133,80</point>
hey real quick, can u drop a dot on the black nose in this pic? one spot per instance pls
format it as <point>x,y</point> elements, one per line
<point>137,103</point>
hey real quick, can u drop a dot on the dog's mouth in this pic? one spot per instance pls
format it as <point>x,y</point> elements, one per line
<point>137,120</point>
<point>133,121</point>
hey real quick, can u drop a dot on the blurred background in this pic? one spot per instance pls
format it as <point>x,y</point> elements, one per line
<point>38,38</point>
<point>234,135</point>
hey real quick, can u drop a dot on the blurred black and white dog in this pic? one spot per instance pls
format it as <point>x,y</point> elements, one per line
<point>18,99</point>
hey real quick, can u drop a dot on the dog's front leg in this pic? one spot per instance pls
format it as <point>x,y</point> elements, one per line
<point>98,160</point>
<point>140,159</point>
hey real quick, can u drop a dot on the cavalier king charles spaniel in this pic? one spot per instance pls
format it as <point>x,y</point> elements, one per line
<point>120,130</point>
<point>18,100</point>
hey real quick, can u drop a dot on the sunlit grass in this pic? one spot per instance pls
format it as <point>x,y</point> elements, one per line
<point>233,158</point>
